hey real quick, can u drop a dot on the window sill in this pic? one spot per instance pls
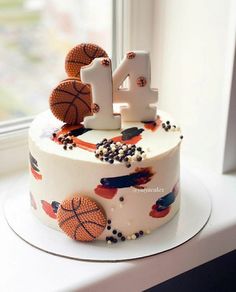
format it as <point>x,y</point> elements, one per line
<point>33,269</point>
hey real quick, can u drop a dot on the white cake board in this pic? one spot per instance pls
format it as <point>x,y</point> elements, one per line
<point>193,215</point>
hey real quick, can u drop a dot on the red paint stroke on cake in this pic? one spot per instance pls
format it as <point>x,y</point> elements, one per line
<point>32,201</point>
<point>159,214</point>
<point>105,192</point>
<point>153,125</point>
<point>109,185</point>
<point>36,175</point>
<point>48,209</point>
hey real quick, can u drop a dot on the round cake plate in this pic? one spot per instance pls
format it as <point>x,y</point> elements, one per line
<point>192,217</point>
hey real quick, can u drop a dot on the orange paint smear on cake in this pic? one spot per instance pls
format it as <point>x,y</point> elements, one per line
<point>91,146</point>
<point>84,145</point>
<point>65,130</point>
<point>153,126</point>
<point>36,175</point>
<point>79,143</point>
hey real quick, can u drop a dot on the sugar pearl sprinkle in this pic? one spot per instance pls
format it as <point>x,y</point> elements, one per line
<point>168,127</point>
<point>117,235</point>
<point>66,140</point>
<point>110,151</point>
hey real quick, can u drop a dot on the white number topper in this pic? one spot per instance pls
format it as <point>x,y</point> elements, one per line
<point>139,96</point>
<point>99,75</point>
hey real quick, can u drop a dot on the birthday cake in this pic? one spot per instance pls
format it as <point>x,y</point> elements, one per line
<point>100,175</point>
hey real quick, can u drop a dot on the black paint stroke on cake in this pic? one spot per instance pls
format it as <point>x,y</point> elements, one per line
<point>162,206</point>
<point>34,167</point>
<point>130,133</point>
<point>79,131</point>
<point>109,185</point>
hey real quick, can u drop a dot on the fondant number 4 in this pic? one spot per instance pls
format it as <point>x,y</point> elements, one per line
<point>138,96</point>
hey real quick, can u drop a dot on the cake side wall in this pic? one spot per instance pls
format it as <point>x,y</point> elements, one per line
<point>56,178</point>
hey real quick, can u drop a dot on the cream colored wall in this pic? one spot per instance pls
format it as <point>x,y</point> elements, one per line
<point>192,52</point>
<point>192,44</point>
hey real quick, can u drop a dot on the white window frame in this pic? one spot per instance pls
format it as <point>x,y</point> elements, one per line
<point>229,147</point>
<point>132,27</point>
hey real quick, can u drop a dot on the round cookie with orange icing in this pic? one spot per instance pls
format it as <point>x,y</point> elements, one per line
<point>81,218</point>
<point>71,101</point>
<point>82,55</point>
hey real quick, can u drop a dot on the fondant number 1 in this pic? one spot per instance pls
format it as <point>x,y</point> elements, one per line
<point>99,75</point>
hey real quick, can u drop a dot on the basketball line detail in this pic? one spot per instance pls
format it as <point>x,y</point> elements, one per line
<point>77,96</point>
<point>79,214</point>
<point>70,93</point>
<point>80,223</point>
<point>70,210</point>
<point>76,62</point>
<point>71,104</point>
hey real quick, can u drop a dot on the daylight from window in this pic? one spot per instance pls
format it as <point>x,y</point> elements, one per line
<point>35,36</point>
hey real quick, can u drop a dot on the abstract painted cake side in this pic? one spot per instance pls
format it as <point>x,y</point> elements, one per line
<point>135,200</point>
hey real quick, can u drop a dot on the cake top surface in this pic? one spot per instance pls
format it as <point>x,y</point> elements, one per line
<point>155,138</point>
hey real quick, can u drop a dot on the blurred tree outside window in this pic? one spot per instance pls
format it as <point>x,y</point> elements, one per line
<point>35,36</point>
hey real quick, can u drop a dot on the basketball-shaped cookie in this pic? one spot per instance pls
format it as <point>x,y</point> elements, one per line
<point>82,55</point>
<point>71,101</point>
<point>81,218</point>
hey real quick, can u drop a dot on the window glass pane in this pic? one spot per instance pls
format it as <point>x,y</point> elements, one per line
<point>35,36</point>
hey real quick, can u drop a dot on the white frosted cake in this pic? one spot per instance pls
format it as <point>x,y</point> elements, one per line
<point>100,184</point>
